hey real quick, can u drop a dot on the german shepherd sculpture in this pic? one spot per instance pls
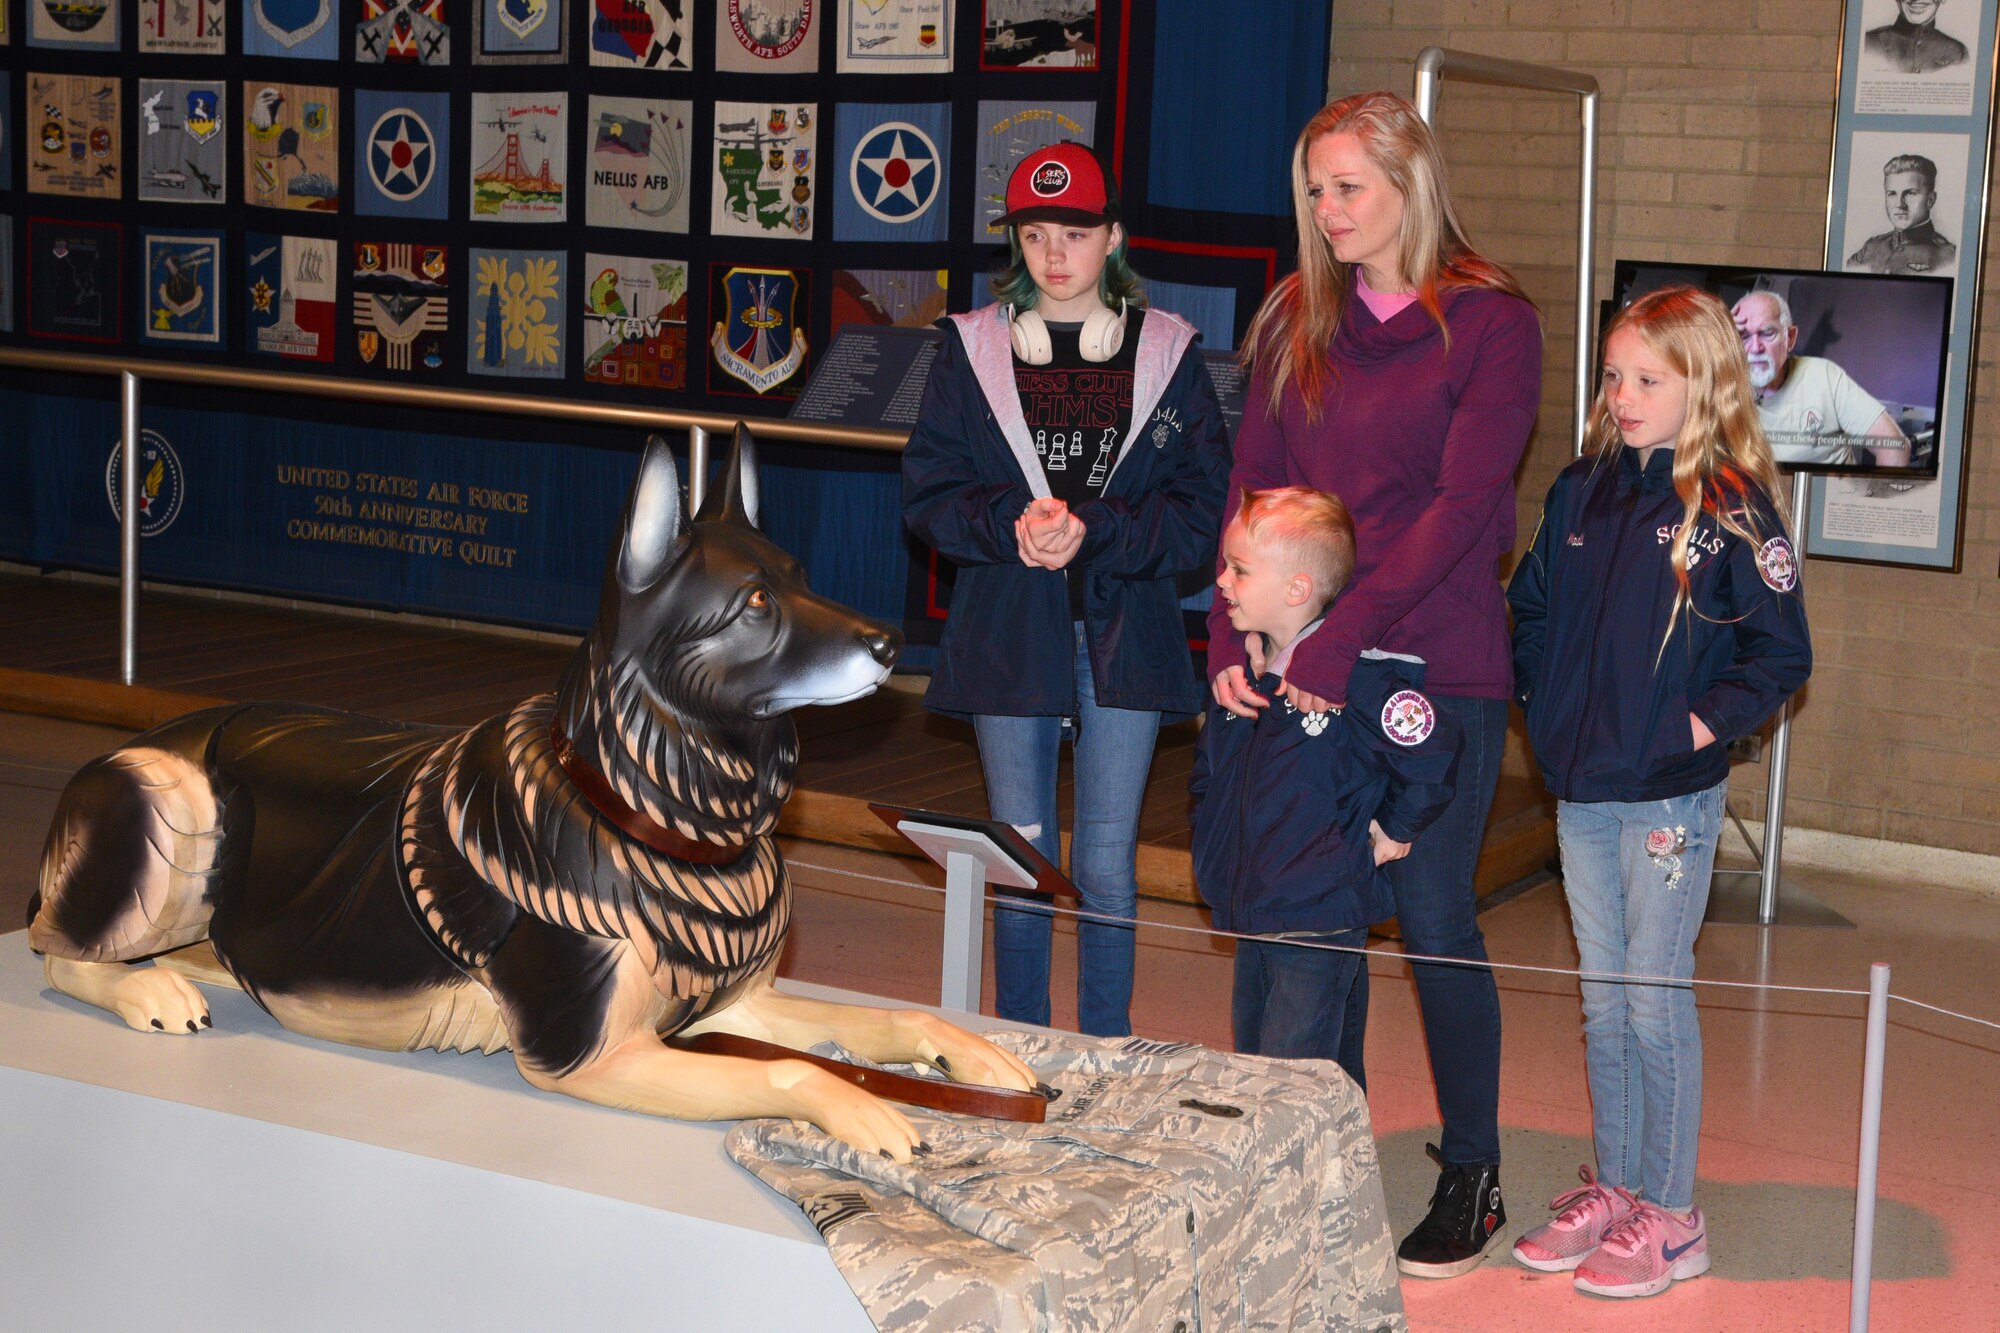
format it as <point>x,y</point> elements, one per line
<point>575,880</point>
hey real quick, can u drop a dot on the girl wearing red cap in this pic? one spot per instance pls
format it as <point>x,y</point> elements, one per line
<point>1402,370</point>
<point>1070,460</point>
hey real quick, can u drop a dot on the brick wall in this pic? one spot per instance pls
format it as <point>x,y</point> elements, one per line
<point>1716,123</point>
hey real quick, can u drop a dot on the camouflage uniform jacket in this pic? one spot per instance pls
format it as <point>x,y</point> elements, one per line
<point>1172,1188</point>
<point>1917,249</point>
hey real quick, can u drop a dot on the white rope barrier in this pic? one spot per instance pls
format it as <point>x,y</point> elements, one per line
<point>1629,978</point>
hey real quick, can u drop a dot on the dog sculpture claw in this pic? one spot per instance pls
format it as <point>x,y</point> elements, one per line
<point>574,880</point>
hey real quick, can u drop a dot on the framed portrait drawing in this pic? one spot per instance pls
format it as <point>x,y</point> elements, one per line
<point>1912,162</point>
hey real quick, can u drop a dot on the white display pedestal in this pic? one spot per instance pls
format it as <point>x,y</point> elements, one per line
<point>973,853</point>
<point>249,1178</point>
<point>971,861</point>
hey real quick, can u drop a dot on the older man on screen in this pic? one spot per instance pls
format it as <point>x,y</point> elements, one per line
<point>1812,410</point>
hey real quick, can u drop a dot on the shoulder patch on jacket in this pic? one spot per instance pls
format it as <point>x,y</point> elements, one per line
<point>1778,565</point>
<point>1408,718</point>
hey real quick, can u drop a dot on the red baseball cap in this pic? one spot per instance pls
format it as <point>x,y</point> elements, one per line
<point>1061,183</point>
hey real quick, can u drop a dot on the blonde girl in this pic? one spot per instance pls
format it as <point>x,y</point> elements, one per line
<point>1657,617</point>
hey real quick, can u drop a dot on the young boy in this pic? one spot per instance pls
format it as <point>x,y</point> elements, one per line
<point>1293,810</point>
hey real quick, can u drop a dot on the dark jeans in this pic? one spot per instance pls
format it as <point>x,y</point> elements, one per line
<point>1294,1003</point>
<point>1435,908</point>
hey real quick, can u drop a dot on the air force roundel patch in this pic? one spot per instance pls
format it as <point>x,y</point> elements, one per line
<point>1779,566</point>
<point>401,154</point>
<point>1408,718</point>
<point>894,172</point>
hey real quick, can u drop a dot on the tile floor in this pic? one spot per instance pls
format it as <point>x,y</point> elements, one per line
<point>1783,1075</point>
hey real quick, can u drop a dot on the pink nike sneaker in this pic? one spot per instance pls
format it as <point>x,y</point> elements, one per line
<point>1582,1217</point>
<point>1644,1253</point>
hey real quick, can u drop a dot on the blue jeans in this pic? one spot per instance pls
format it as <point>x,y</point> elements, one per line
<point>1114,751</point>
<point>1294,1003</point>
<point>1437,911</point>
<point>1637,875</point>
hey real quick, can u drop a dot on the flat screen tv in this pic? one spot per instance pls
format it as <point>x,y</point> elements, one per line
<point>1849,368</point>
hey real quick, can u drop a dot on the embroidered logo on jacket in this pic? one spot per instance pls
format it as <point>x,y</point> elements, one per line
<point>1778,565</point>
<point>1408,718</point>
<point>1705,541</point>
<point>1314,723</point>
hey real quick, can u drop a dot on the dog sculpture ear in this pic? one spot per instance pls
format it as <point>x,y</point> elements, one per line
<point>652,518</point>
<point>734,494</point>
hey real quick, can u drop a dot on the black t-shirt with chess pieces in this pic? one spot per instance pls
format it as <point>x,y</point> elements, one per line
<point>1078,413</point>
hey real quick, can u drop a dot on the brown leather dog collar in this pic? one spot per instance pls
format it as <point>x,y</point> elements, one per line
<point>634,823</point>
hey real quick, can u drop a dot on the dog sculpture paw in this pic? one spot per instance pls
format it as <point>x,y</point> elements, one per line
<point>857,1118</point>
<point>961,1055</point>
<point>149,999</point>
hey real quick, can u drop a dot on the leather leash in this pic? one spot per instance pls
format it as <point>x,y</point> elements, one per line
<point>936,1094</point>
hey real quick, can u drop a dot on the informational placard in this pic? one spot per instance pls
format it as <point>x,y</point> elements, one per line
<point>871,376</point>
<point>1230,384</point>
<point>1912,154</point>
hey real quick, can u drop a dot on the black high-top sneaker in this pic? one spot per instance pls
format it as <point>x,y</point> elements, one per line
<point>1466,1221</point>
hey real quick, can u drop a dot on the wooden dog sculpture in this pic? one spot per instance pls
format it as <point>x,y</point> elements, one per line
<point>576,880</point>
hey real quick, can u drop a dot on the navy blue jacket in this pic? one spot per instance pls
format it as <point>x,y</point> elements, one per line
<point>970,469</point>
<point>1607,705</point>
<point>1282,803</point>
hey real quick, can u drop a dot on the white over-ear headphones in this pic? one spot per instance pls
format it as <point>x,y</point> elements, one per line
<point>1103,333</point>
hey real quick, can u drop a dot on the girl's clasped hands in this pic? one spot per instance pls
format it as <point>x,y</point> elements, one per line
<point>1046,534</point>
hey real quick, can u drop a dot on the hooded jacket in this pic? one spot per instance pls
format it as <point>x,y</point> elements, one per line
<point>1607,703</point>
<point>1282,803</point>
<point>969,470</point>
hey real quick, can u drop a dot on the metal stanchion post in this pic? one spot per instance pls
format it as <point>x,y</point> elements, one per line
<point>1435,63</point>
<point>1586,272</point>
<point>1774,818</point>
<point>697,467</point>
<point>1871,1148</point>
<point>1781,753</point>
<point>128,528</point>
<point>1726,902</point>
<point>964,931</point>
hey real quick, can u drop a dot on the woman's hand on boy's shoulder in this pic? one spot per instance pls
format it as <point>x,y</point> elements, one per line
<point>1232,690</point>
<point>1305,700</point>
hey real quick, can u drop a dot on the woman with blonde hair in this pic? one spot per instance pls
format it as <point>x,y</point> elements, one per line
<point>1401,369</point>
<point>1657,617</point>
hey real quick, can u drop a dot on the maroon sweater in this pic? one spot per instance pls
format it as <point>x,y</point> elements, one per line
<point>1421,444</point>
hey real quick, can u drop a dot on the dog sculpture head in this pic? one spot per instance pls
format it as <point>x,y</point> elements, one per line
<point>706,637</point>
